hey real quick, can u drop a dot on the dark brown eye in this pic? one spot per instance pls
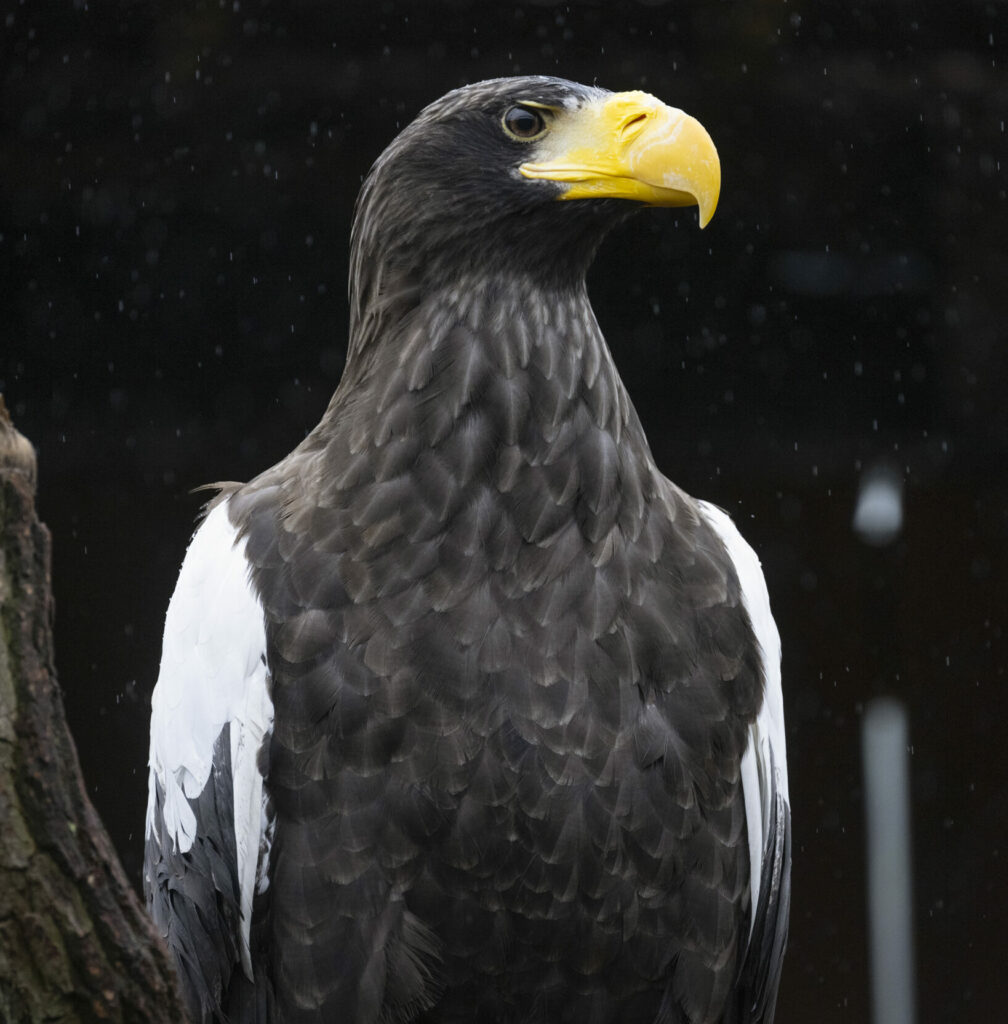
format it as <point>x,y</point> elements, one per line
<point>524,122</point>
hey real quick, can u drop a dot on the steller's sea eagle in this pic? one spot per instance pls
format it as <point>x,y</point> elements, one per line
<point>465,712</point>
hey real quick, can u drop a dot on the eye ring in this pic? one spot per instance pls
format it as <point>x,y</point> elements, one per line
<point>524,123</point>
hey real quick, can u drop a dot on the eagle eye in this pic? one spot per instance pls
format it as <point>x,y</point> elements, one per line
<point>524,123</point>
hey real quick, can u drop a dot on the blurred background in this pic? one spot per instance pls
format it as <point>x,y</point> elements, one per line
<point>176,189</point>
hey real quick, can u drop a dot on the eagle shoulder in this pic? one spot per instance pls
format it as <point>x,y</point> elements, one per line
<point>206,832</point>
<point>765,788</point>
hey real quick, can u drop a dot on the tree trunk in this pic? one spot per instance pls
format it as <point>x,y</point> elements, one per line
<point>75,942</point>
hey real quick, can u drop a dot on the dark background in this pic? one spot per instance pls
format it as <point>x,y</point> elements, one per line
<point>176,187</point>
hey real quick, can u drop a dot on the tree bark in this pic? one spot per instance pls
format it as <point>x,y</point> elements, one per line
<point>75,942</point>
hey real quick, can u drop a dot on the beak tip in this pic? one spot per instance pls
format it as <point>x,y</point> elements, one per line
<point>705,211</point>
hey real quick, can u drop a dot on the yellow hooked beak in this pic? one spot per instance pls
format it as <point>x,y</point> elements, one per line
<point>629,145</point>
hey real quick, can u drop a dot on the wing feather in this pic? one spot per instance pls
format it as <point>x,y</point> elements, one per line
<point>765,788</point>
<point>211,715</point>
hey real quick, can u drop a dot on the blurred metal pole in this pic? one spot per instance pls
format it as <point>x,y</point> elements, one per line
<point>887,808</point>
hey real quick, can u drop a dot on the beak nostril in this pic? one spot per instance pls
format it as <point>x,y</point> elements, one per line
<point>632,126</point>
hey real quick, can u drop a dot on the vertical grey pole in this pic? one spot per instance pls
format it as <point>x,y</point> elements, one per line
<point>887,808</point>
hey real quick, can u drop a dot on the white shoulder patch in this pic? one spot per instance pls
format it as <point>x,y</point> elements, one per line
<point>213,672</point>
<point>765,751</point>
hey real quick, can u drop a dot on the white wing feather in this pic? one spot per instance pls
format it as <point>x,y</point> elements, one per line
<point>213,672</point>
<point>765,751</point>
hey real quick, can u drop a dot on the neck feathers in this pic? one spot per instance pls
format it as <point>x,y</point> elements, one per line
<point>515,375</point>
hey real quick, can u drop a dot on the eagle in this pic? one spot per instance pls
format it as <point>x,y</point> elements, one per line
<point>465,712</point>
